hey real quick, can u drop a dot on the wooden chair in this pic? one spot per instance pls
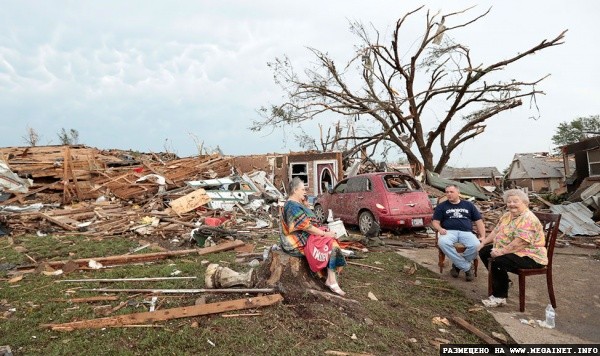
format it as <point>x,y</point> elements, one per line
<point>550,222</point>
<point>460,248</point>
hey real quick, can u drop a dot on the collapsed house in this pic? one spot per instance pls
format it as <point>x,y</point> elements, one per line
<point>537,172</point>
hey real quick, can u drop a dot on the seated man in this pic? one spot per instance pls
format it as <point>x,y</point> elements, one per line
<point>453,220</point>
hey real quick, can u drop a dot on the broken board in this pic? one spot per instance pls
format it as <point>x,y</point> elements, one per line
<point>190,201</point>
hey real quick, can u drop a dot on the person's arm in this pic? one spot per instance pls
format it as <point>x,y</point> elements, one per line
<point>436,225</point>
<point>514,246</point>
<point>480,229</point>
<point>313,230</point>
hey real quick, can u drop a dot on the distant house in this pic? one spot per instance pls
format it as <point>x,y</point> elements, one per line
<point>587,162</point>
<point>319,170</point>
<point>479,175</point>
<point>538,172</point>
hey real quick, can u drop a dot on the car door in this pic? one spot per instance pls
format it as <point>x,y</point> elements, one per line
<point>356,196</point>
<point>338,201</point>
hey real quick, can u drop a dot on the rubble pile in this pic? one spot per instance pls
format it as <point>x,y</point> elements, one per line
<point>86,191</point>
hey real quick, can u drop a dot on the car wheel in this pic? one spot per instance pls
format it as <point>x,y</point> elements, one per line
<point>367,224</point>
<point>320,213</point>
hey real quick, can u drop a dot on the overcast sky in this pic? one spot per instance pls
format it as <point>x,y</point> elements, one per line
<point>156,75</point>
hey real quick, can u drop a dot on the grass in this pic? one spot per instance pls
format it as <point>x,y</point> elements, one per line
<point>398,323</point>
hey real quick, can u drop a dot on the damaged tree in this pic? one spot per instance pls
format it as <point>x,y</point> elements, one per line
<point>397,99</point>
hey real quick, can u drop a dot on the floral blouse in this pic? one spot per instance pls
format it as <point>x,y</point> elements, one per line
<point>526,227</point>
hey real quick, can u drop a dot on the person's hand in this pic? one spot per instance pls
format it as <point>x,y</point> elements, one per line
<point>481,244</point>
<point>496,252</point>
<point>442,231</point>
<point>330,234</point>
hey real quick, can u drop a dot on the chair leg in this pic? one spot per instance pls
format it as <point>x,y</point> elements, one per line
<point>550,288</point>
<point>441,259</point>
<point>490,277</point>
<point>476,265</point>
<point>521,293</point>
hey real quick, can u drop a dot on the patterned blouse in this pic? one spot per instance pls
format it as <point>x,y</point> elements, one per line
<point>526,227</point>
<point>296,218</point>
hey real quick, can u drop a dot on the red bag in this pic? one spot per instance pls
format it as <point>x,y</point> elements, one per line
<point>318,251</point>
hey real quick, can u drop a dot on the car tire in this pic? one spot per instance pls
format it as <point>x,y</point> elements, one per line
<point>319,213</point>
<point>367,224</point>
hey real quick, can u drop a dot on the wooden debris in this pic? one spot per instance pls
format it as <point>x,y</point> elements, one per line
<point>240,315</point>
<point>101,298</point>
<point>124,259</point>
<point>181,291</point>
<point>363,265</point>
<point>190,201</point>
<point>168,314</point>
<point>465,325</point>
<point>147,279</point>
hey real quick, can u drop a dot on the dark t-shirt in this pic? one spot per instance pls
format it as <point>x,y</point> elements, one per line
<point>458,216</point>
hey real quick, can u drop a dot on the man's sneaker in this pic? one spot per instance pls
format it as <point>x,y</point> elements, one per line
<point>470,274</point>
<point>493,302</point>
<point>454,271</point>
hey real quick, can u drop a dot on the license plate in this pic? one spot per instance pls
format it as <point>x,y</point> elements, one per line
<point>417,222</point>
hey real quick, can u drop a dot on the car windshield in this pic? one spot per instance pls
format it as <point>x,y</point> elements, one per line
<point>340,188</point>
<point>399,183</point>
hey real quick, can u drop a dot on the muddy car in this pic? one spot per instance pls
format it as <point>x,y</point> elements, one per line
<point>390,201</point>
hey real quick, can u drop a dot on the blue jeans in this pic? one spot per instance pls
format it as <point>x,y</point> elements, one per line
<point>468,239</point>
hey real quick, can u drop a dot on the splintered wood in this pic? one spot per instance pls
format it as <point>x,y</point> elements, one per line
<point>167,314</point>
<point>190,201</point>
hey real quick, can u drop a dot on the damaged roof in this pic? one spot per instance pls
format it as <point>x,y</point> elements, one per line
<point>537,165</point>
<point>470,173</point>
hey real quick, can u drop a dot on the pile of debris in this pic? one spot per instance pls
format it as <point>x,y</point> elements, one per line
<point>86,191</point>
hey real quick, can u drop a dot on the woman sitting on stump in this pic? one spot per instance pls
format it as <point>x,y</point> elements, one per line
<point>302,236</point>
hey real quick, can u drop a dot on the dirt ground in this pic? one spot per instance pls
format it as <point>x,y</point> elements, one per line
<point>577,291</point>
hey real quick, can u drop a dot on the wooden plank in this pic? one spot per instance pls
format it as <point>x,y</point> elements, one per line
<point>190,201</point>
<point>122,259</point>
<point>367,266</point>
<point>465,325</point>
<point>101,298</point>
<point>167,314</point>
<point>57,222</point>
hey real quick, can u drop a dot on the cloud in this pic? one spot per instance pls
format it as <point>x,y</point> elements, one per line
<point>134,74</point>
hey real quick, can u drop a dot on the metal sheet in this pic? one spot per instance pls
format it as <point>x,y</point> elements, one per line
<point>576,219</point>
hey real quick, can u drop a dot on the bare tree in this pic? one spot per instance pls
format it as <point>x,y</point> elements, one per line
<point>31,137</point>
<point>428,95</point>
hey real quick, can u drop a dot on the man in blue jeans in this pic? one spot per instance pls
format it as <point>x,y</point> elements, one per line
<point>453,220</point>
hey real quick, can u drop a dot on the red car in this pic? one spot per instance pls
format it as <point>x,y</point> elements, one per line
<point>387,200</point>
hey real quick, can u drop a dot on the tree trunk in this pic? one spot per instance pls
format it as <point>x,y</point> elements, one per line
<point>291,275</point>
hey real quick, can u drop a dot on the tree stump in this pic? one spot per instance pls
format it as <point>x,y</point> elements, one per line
<point>291,275</point>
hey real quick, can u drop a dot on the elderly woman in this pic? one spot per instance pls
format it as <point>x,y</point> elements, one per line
<point>301,236</point>
<point>518,242</point>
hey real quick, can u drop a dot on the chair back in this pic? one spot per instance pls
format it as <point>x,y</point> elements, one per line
<point>550,222</point>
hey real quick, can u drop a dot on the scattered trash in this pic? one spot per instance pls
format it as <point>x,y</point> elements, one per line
<point>549,323</point>
<point>94,265</point>
<point>372,296</point>
<point>440,321</point>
